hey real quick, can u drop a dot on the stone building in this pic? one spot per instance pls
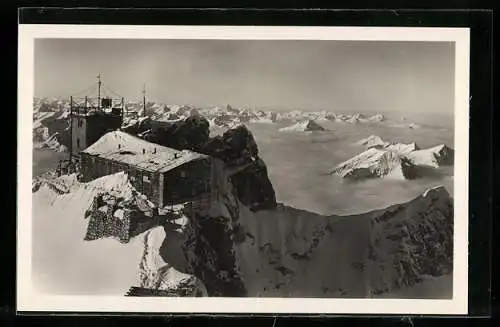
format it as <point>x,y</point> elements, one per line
<point>166,176</point>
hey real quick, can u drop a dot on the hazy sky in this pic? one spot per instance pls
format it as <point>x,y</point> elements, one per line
<point>308,75</point>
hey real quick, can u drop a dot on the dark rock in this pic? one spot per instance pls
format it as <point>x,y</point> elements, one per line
<point>214,260</point>
<point>140,126</point>
<point>253,187</point>
<point>58,124</point>
<point>191,133</point>
<point>235,147</point>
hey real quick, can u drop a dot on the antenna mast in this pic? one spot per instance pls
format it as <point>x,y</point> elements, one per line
<point>99,82</point>
<point>144,100</point>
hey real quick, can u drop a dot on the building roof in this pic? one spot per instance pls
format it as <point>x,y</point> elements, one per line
<point>131,150</point>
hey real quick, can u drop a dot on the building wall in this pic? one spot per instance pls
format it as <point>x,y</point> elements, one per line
<point>182,184</point>
<point>144,182</point>
<point>188,181</point>
<point>79,134</point>
<point>88,129</point>
<point>100,124</point>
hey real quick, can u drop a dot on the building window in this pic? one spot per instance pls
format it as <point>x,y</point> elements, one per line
<point>78,143</point>
<point>145,178</point>
<point>183,174</point>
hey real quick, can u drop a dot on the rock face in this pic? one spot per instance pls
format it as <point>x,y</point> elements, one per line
<point>304,126</point>
<point>237,148</point>
<point>376,163</point>
<point>52,128</point>
<point>189,134</point>
<point>157,277</point>
<point>137,126</point>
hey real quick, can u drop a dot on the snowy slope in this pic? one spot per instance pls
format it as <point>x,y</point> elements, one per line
<point>65,264</point>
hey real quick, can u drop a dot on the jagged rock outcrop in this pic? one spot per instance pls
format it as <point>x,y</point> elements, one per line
<point>237,148</point>
<point>253,187</point>
<point>57,123</point>
<point>137,126</point>
<point>191,133</point>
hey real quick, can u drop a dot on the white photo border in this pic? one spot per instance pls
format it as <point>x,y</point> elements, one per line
<point>29,300</point>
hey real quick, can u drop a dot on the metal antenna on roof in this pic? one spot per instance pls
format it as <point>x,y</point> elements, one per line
<point>99,82</point>
<point>144,100</point>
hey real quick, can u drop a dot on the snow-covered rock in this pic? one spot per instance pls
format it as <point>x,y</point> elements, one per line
<point>226,120</point>
<point>261,120</point>
<point>354,119</point>
<point>377,118</point>
<point>433,157</point>
<point>52,143</point>
<point>157,275</point>
<point>372,141</point>
<point>376,163</point>
<point>401,148</point>
<point>381,157</point>
<point>304,126</point>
